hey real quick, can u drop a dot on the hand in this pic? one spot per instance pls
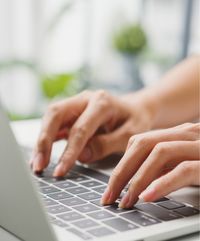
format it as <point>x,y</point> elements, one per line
<point>160,162</point>
<point>95,124</point>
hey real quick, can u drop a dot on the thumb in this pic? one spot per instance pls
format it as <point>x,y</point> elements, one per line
<point>103,145</point>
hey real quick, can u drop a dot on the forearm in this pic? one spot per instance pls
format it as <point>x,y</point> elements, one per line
<point>176,98</point>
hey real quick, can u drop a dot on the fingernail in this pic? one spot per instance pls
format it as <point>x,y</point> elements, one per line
<point>59,170</point>
<point>106,197</point>
<point>86,155</point>
<point>148,195</point>
<point>126,201</point>
<point>37,162</point>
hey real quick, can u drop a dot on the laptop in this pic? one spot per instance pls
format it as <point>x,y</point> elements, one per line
<point>42,208</point>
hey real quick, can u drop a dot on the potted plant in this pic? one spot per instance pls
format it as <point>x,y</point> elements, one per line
<point>130,41</point>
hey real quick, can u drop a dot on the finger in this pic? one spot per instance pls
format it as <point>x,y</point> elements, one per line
<point>56,116</point>
<point>123,172</point>
<point>153,166</point>
<point>101,146</point>
<point>50,126</point>
<point>138,149</point>
<point>173,181</point>
<point>83,129</point>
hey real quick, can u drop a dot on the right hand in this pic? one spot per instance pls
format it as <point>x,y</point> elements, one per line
<point>95,124</point>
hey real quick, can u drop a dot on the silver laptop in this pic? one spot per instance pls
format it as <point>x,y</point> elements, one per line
<point>41,208</point>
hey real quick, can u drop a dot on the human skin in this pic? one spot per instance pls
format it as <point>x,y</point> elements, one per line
<point>97,124</point>
<point>158,162</point>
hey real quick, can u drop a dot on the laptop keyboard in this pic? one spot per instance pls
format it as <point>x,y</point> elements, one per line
<point>73,203</point>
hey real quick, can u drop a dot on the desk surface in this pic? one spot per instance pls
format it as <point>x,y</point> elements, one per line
<point>26,133</point>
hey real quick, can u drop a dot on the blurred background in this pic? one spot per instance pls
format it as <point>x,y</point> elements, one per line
<point>54,49</point>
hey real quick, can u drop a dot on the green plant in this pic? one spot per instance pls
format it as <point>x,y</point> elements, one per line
<point>130,39</point>
<point>57,84</point>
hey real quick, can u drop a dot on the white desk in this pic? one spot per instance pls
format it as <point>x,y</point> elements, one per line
<point>26,133</point>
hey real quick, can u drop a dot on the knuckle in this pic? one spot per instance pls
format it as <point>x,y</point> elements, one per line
<point>191,126</point>
<point>102,98</point>
<point>54,110</point>
<point>101,94</point>
<point>191,130</point>
<point>131,140</point>
<point>79,131</point>
<point>141,140</point>
<point>185,168</point>
<point>161,149</point>
<point>196,127</point>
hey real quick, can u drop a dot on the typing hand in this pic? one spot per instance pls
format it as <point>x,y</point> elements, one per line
<point>158,162</point>
<point>95,124</point>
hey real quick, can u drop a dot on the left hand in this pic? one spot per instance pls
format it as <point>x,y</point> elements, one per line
<point>160,162</point>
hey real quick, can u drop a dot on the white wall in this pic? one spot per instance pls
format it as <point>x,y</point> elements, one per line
<point>82,35</point>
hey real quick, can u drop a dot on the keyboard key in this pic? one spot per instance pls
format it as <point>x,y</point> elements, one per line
<point>120,224</point>
<point>47,190</point>
<point>60,195</point>
<point>99,189</point>
<point>60,223</point>
<point>140,218</point>
<point>85,223</point>
<point>91,184</point>
<point>161,200</point>
<point>170,204</point>
<point>187,211</point>
<point>80,234</point>
<point>48,177</point>
<point>76,177</point>
<point>51,179</point>
<point>65,184</point>
<point>70,216</point>
<point>72,175</point>
<point>73,201</point>
<point>157,211</point>
<point>58,209</point>
<point>49,202</point>
<point>77,190</point>
<point>86,208</point>
<point>80,179</point>
<point>100,232</point>
<point>115,209</point>
<point>90,196</point>
<point>97,203</point>
<point>100,215</point>
<point>91,173</point>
